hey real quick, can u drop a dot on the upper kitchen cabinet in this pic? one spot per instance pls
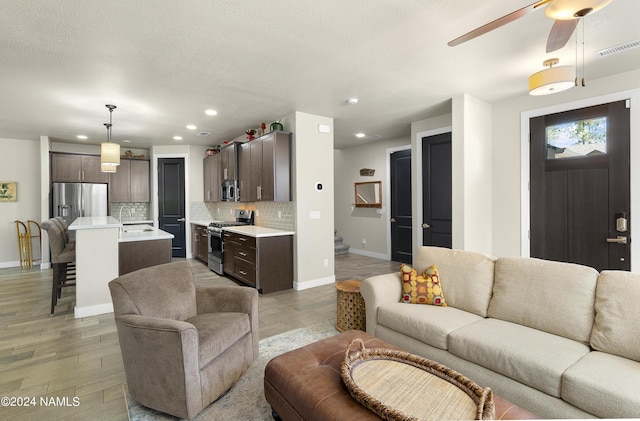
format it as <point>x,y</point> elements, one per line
<point>212,170</point>
<point>265,168</point>
<point>76,168</point>
<point>229,162</point>
<point>130,182</point>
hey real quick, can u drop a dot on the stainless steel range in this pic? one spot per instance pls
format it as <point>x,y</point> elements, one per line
<point>216,245</point>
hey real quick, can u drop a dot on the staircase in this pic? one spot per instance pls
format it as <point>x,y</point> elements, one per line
<point>339,246</point>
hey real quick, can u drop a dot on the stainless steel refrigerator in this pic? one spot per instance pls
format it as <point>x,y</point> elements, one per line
<point>73,200</point>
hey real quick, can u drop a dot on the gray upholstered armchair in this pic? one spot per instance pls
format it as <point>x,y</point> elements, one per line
<point>182,346</point>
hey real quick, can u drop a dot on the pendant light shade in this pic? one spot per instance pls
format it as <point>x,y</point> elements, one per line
<point>552,80</point>
<point>109,152</point>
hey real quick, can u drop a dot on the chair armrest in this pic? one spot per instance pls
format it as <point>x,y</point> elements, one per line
<point>236,299</point>
<point>160,357</point>
<point>379,290</point>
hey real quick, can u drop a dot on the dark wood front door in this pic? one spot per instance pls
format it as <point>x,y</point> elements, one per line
<point>580,187</point>
<point>171,206</point>
<point>401,244</point>
<point>436,190</point>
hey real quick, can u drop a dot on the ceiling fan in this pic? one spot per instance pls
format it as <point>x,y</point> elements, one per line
<point>567,13</point>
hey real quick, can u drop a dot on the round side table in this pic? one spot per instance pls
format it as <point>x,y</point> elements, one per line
<point>350,306</point>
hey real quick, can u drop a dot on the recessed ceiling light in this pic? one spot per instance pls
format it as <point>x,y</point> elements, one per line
<point>191,127</point>
<point>360,135</point>
<point>352,101</point>
<point>211,112</point>
<point>81,136</point>
<point>177,137</point>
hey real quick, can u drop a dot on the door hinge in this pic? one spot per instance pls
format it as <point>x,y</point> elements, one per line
<point>627,103</point>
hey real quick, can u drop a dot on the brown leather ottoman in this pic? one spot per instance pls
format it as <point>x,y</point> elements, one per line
<point>305,384</point>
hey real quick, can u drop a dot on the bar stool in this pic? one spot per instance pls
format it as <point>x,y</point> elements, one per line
<point>63,257</point>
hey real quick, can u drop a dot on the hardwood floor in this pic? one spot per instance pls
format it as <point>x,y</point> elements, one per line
<point>61,358</point>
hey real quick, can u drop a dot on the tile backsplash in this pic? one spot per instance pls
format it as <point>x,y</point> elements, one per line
<point>278,215</point>
<point>139,211</point>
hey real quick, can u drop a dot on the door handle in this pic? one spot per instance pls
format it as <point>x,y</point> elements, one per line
<point>393,219</point>
<point>182,219</point>
<point>426,226</point>
<point>618,240</point>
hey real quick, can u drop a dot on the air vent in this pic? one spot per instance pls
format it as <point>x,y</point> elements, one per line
<point>203,134</point>
<point>618,48</point>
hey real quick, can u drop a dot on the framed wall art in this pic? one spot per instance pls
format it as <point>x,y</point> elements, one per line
<point>8,191</point>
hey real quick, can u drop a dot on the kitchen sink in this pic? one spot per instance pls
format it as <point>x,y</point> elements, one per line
<point>137,228</point>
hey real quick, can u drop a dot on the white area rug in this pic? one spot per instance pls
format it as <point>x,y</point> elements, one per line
<point>245,401</point>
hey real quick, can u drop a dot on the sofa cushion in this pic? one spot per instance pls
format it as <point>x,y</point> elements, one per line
<point>540,294</point>
<point>617,323</point>
<point>605,385</point>
<point>529,356</point>
<point>217,332</point>
<point>466,276</point>
<point>421,289</point>
<point>428,324</point>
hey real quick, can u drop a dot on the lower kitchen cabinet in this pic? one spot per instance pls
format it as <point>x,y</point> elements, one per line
<point>200,243</point>
<point>265,263</point>
<point>134,255</point>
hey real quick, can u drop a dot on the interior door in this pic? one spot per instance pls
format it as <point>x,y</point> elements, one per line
<point>171,206</point>
<point>436,190</point>
<point>401,244</point>
<point>580,186</point>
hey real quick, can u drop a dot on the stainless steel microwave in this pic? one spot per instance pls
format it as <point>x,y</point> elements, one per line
<point>230,191</point>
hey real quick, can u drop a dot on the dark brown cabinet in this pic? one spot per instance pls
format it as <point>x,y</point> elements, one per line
<point>265,168</point>
<point>265,263</point>
<point>229,162</point>
<point>200,243</point>
<point>134,255</point>
<point>211,167</point>
<point>76,168</point>
<point>130,182</point>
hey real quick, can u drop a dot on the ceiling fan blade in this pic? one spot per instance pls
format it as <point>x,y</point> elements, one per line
<point>497,23</point>
<point>560,34</point>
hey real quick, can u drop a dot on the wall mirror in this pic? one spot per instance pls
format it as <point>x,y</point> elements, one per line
<point>369,194</point>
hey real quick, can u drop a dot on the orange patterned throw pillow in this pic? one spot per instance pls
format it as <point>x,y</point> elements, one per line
<point>421,289</point>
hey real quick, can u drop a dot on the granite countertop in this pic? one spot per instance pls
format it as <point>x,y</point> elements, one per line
<point>256,231</point>
<point>94,222</point>
<point>142,233</point>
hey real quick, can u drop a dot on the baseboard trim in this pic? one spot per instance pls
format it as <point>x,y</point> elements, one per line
<point>369,254</point>
<point>4,265</point>
<point>80,312</point>
<point>299,286</point>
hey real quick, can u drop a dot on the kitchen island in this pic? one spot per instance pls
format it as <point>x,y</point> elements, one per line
<point>98,242</point>
<point>259,257</point>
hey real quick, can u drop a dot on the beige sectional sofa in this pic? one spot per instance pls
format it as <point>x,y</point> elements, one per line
<point>558,339</point>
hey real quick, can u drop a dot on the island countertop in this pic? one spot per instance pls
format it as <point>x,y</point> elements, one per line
<point>94,222</point>
<point>256,231</point>
<point>142,233</point>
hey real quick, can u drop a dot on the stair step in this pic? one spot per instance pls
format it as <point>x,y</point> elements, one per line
<point>341,249</point>
<point>337,239</point>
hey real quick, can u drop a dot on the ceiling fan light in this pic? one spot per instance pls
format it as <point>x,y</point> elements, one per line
<point>569,9</point>
<point>552,80</point>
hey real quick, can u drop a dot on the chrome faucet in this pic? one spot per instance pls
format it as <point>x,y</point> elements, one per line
<point>120,217</point>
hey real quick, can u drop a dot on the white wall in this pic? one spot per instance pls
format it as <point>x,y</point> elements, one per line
<point>19,162</point>
<point>472,174</point>
<point>355,224</point>
<point>313,163</point>
<point>509,183</point>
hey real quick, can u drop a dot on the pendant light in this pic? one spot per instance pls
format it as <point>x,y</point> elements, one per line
<point>109,152</point>
<point>552,80</point>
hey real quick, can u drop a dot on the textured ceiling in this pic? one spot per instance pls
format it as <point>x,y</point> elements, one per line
<point>164,62</point>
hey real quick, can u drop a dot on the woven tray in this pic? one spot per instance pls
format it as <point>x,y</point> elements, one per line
<point>398,385</point>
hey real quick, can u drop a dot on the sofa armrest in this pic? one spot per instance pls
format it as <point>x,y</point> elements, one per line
<point>379,290</point>
<point>236,299</point>
<point>160,357</point>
